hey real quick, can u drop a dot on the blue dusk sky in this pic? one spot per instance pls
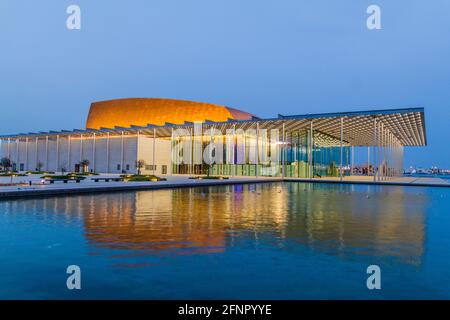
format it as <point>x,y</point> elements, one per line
<point>265,57</point>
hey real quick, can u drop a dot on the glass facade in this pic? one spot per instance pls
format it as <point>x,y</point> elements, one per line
<point>261,153</point>
<point>317,159</point>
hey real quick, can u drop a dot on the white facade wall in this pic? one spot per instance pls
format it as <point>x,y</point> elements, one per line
<point>60,152</point>
<point>122,160</point>
<point>105,154</point>
<point>48,154</point>
<point>63,154</point>
<point>23,154</point>
<point>162,155</point>
<point>39,154</point>
<point>75,148</point>
<point>4,149</point>
<point>33,151</point>
<point>101,155</point>
<point>115,155</point>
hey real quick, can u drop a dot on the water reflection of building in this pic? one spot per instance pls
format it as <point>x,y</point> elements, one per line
<point>339,219</point>
<point>388,222</point>
<point>196,218</point>
<point>146,220</point>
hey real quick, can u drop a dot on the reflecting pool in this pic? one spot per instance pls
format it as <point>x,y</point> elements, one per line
<point>257,241</point>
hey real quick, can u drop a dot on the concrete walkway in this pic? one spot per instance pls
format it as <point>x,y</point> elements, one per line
<point>399,181</point>
<point>89,186</point>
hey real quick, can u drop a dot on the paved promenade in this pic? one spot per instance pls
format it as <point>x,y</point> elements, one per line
<point>89,186</point>
<point>399,181</point>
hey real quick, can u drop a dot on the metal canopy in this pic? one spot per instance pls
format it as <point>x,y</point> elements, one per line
<point>406,125</point>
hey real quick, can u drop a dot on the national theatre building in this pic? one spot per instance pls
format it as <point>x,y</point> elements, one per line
<point>184,137</point>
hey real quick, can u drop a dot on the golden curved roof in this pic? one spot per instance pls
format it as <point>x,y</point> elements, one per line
<point>144,111</point>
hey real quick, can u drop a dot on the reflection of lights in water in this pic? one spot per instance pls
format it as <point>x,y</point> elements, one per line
<point>336,219</point>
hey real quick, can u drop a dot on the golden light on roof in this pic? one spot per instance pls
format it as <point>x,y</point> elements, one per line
<point>144,111</point>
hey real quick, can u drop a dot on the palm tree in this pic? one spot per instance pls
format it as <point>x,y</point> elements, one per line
<point>6,163</point>
<point>84,165</point>
<point>208,168</point>
<point>39,166</point>
<point>139,165</point>
<point>62,167</point>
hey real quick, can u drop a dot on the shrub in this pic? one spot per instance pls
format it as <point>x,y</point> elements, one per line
<point>87,174</point>
<point>141,178</point>
<point>209,178</point>
<point>39,172</point>
<point>12,174</point>
<point>63,177</point>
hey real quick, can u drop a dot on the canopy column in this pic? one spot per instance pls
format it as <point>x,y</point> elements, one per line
<point>36,157</point>
<point>234,156</point>
<point>257,150</point>
<point>394,155</point>
<point>172,153</point>
<point>282,150</point>
<point>379,155</point>
<point>68,153</point>
<point>57,153</point>
<point>107,152</point>
<point>94,149</point>
<point>121,151</point>
<point>26,154</point>
<point>375,143</point>
<point>311,151</point>
<point>153,150</point>
<point>17,154</point>
<point>9,148</point>
<point>341,173</point>
<point>384,145</point>
<point>390,155</point>
<point>191,158</point>
<point>382,152</point>
<point>81,148</point>
<point>352,159</point>
<point>46,154</point>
